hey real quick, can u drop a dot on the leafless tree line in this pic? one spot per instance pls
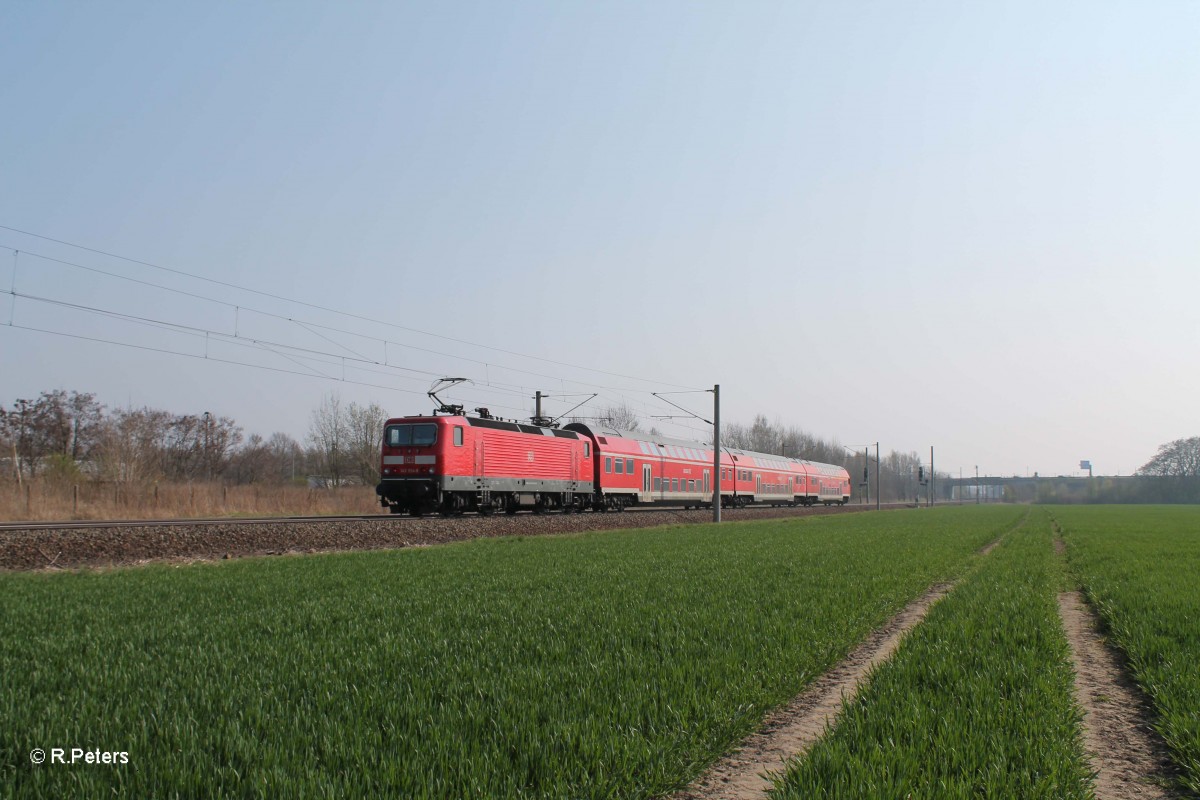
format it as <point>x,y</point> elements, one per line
<point>70,437</point>
<point>345,440</point>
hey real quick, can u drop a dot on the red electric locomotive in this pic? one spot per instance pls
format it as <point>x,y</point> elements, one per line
<point>456,463</point>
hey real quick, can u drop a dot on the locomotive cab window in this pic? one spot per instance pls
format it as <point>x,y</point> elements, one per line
<point>587,449</point>
<point>458,436</point>
<point>410,435</point>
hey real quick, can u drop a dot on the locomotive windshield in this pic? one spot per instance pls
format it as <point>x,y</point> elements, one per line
<point>410,435</point>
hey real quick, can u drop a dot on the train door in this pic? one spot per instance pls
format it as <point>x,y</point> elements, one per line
<point>647,482</point>
<point>662,470</point>
<point>707,483</point>
<point>758,484</point>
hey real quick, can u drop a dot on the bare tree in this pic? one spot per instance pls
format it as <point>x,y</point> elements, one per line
<point>57,423</point>
<point>364,426</point>
<point>221,439</point>
<point>131,445</point>
<point>287,457</point>
<point>763,436</point>
<point>621,417</point>
<point>328,436</point>
<point>250,463</point>
<point>8,441</point>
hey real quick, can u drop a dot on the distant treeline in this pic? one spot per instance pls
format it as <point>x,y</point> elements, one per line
<point>70,437</point>
<point>1101,489</point>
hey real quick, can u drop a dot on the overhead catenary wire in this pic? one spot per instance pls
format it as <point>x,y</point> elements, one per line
<point>167,351</point>
<point>241,341</point>
<point>329,310</point>
<point>308,324</point>
<point>274,347</point>
<point>308,360</point>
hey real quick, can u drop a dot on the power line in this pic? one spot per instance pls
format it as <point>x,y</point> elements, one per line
<point>333,310</point>
<point>218,360</point>
<point>242,341</point>
<point>270,346</point>
<point>307,325</point>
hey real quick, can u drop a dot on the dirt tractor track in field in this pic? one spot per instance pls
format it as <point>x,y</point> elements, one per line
<point>1128,759</point>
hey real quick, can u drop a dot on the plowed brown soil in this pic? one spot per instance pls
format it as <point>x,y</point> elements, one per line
<point>67,547</point>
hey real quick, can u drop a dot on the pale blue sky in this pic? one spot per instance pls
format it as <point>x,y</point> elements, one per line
<point>972,226</point>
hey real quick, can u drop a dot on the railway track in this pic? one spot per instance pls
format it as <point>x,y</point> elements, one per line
<point>31,525</point>
<point>74,544</point>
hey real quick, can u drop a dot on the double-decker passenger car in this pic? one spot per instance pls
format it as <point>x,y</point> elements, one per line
<point>631,468</point>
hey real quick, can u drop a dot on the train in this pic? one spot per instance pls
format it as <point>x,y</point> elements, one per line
<point>451,463</point>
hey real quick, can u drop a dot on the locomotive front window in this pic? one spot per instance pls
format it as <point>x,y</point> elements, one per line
<point>410,435</point>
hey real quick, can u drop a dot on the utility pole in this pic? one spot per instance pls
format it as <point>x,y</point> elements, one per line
<point>207,457</point>
<point>867,472</point>
<point>716,452</point>
<point>977,500</point>
<point>932,493</point>
<point>878,485</point>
